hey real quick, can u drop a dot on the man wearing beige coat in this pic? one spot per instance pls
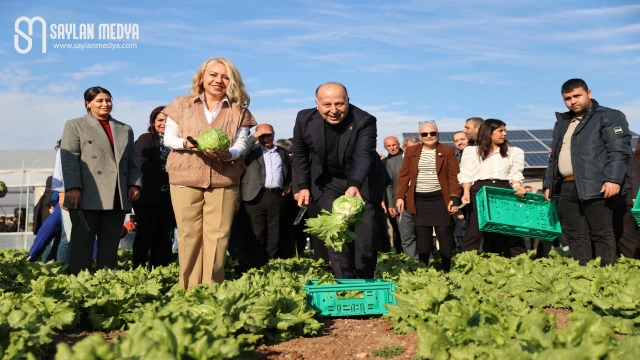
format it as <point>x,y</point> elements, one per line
<point>101,177</point>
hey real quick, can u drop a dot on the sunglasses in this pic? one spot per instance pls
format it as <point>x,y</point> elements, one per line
<point>427,122</point>
<point>432,134</point>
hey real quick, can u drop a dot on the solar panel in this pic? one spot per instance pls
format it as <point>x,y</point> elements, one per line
<point>547,142</point>
<point>542,134</point>
<point>518,135</point>
<point>536,159</point>
<point>529,145</point>
<point>447,136</point>
<point>634,142</point>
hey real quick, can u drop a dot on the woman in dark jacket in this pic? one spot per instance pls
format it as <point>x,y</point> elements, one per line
<point>154,213</point>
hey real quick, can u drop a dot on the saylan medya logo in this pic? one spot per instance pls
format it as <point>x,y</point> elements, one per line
<point>72,31</point>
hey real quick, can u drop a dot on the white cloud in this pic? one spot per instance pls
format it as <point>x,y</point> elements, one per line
<point>618,48</point>
<point>145,81</point>
<point>619,10</point>
<point>55,88</point>
<point>180,87</point>
<point>97,70</point>
<point>601,33</point>
<point>268,92</point>
<point>631,110</point>
<point>40,128</point>
<point>309,100</point>
<point>12,77</point>
<point>480,78</point>
<point>397,103</point>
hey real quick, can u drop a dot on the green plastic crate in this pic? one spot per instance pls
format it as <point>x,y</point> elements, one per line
<point>635,210</point>
<point>377,293</point>
<point>501,211</point>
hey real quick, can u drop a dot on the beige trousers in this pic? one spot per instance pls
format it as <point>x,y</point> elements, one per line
<point>204,218</point>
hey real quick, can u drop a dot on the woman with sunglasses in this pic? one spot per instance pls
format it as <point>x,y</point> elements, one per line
<point>428,187</point>
<point>493,162</point>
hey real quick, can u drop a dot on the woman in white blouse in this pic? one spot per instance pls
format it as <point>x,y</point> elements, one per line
<point>493,162</point>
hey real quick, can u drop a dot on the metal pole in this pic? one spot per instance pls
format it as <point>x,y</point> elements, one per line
<point>20,206</point>
<point>26,217</point>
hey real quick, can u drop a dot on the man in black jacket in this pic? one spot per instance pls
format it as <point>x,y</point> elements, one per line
<point>334,154</point>
<point>587,164</point>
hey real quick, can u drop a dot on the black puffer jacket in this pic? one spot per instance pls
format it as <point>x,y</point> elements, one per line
<point>600,150</point>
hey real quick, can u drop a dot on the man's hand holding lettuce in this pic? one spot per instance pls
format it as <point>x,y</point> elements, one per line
<point>333,227</point>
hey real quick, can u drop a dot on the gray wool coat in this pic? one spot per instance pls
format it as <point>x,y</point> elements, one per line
<point>89,164</point>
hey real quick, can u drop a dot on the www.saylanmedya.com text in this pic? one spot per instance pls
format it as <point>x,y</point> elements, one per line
<point>87,46</point>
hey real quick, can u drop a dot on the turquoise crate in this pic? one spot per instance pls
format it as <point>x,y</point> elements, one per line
<point>377,293</point>
<point>501,211</point>
<point>635,210</point>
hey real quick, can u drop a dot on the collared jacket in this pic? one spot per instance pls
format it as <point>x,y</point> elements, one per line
<point>357,154</point>
<point>600,150</point>
<point>92,166</point>
<point>446,167</point>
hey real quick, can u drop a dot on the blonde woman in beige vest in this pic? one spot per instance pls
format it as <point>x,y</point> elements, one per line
<point>204,185</point>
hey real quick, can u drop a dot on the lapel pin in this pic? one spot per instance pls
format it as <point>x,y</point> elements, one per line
<point>351,127</point>
<point>439,154</point>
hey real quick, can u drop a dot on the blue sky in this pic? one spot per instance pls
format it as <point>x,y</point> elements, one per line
<point>403,61</point>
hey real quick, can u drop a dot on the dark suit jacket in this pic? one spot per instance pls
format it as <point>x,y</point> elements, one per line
<point>357,154</point>
<point>446,167</point>
<point>254,176</point>
<point>393,166</point>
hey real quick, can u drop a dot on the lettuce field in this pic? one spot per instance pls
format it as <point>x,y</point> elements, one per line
<point>487,307</point>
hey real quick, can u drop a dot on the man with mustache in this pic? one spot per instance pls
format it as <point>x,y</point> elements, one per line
<point>587,165</point>
<point>334,154</point>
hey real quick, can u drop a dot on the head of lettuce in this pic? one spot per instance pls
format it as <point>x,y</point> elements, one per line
<point>213,139</point>
<point>333,228</point>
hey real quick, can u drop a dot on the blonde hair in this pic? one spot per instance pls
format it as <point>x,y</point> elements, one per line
<point>236,91</point>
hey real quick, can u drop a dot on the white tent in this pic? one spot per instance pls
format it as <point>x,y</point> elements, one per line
<point>25,172</point>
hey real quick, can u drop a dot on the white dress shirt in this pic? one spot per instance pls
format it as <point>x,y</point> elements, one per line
<point>272,168</point>
<point>173,140</point>
<point>473,168</point>
<point>57,183</point>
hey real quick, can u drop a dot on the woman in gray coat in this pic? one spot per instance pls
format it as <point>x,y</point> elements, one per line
<point>101,178</point>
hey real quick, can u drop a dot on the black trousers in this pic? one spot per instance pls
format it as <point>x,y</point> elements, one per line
<point>106,225</point>
<point>264,216</point>
<point>153,241</point>
<point>505,245</point>
<point>384,241</point>
<point>359,260</point>
<point>293,239</point>
<point>424,238</point>
<point>397,239</point>
<point>626,232</point>
<point>588,226</point>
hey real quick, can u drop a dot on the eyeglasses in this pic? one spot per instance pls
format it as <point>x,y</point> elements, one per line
<point>427,122</point>
<point>432,134</point>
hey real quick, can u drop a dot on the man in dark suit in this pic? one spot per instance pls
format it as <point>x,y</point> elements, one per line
<point>334,154</point>
<point>265,184</point>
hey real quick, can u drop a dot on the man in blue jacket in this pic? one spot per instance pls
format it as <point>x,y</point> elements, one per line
<point>587,165</point>
<point>334,154</point>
